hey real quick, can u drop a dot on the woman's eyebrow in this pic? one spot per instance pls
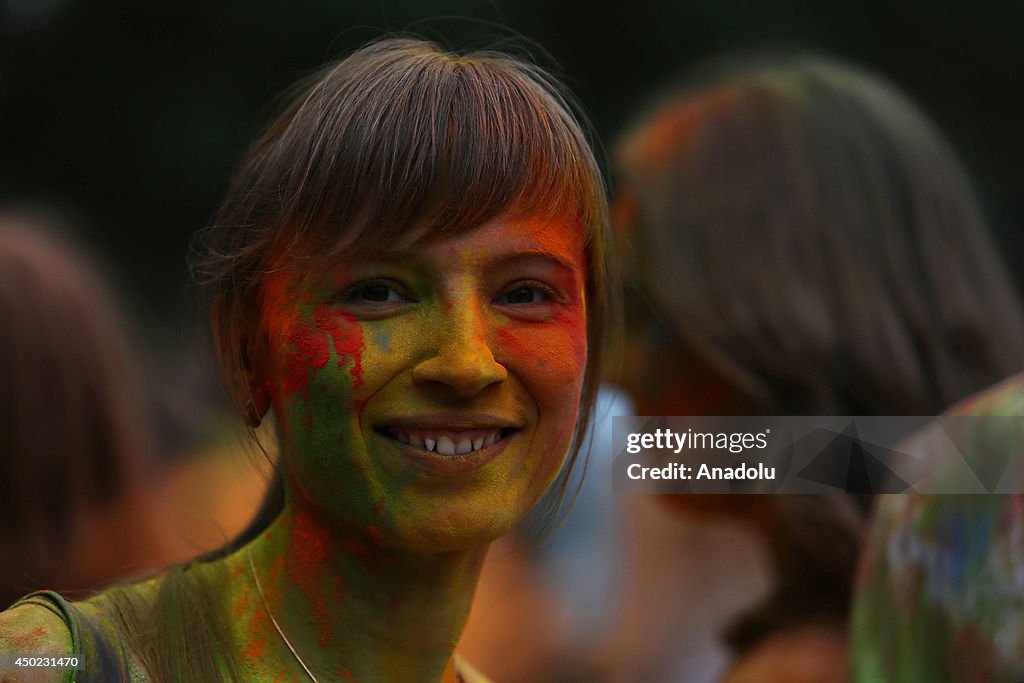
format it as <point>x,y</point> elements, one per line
<point>556,258</point>
<point>412,257</point>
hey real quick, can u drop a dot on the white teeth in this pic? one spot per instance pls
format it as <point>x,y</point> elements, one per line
<point>445,446</point>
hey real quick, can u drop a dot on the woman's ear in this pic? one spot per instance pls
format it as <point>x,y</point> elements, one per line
<point>257,397</point>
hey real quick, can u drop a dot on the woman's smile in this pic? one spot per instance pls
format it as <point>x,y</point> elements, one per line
<point>432,393</point>
<point>449,442</point>
<point>446,444</point>
<point>454,434</point>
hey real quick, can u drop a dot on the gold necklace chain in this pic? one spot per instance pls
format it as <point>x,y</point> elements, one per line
<point>277,627</point>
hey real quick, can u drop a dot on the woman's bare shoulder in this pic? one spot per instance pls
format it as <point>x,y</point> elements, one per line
<point>32,630</point>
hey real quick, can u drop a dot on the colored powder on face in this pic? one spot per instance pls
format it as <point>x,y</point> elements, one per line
<point>308,353</point>
<point>347,335</point>
<point>575,322</point>
<point>548,346</point>
<point>509,339</point>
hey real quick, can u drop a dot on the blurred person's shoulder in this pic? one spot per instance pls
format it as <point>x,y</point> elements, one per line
<point>33,627</point>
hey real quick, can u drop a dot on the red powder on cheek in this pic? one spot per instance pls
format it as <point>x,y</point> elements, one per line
<point>308,352</point>
<point>304,346</point>
<point>574,322</point>
<point>347,334</point>
<point>558,347</point>
<point>509,340</point>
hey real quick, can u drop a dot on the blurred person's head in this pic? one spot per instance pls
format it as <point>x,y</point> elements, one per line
<point>801,240</point>
<point>72,438</point>
<point>804,241</point>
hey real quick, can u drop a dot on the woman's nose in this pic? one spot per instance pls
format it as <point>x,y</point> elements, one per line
<point>464,361</point>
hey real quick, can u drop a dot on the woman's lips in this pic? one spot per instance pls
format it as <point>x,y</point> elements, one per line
<point>452,435</point>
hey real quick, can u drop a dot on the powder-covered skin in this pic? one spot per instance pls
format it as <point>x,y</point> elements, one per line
<point>371,568</point>
<point>941,591</point>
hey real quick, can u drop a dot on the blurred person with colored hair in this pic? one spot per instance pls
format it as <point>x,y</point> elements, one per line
<point>801,241</point>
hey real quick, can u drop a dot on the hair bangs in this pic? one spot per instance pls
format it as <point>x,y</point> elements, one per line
<point>406,150</point>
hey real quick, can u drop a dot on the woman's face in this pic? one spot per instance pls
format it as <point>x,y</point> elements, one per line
<point>428,397</point>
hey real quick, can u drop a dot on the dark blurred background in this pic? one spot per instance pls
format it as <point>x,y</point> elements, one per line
<point>129,116</point>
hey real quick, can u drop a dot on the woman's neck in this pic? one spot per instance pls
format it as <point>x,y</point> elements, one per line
<point>350,609</point>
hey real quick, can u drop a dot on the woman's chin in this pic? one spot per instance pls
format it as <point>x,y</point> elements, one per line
<point>453,531</point>
<point>466,538</point>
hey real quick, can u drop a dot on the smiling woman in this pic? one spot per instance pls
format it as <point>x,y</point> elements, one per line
<point>409,272</point>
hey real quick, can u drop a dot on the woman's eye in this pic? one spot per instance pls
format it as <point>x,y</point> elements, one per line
<point>373,298</point>
<point>522,295</point>
<point>377,293</point>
